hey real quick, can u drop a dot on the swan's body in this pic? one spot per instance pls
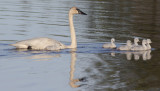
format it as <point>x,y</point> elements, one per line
<point>110,45</point>
<point>40,44</point>
<point>140,47</point>
<point>136,40</point>
<point>148,44</point>
<point>127,46</point>
<point>51,44</point>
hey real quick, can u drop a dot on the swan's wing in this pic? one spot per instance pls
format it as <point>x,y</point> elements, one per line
<point>53,47</point>
<point>38,43</point>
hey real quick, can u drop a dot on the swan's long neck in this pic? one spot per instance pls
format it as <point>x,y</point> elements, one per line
<point>73,35</point>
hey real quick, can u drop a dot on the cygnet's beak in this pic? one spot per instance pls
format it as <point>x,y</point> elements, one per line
<point>80,12</point>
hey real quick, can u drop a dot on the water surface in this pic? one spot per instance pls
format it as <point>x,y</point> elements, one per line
<point>89,67</point>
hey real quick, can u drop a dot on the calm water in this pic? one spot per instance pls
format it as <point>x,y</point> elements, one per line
<point>89,67</point>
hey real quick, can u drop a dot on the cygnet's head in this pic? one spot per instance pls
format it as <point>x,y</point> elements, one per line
<point>136,40</point>
<point>112,40</point>
<point>129,43</point>
<point>75,10</point>
<point>149,41</point>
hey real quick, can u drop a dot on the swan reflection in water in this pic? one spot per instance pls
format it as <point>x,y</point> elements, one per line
<point>72,67</point>
<point>37,55</point>
<point>146,55</point>
<point>44,56</point>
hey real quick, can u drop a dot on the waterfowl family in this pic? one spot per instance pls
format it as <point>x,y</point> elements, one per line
<point>140,47</point>
<point>48,43</point>
<point>135,47</point>
<point>110,45</point>
<point>145,45</point>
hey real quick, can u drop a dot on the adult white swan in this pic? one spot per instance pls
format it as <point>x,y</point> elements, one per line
<point>51,44</point>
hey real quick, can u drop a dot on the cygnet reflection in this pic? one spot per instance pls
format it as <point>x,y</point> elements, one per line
<point>146,55</point>
<point>113,54</point>
<point>129,55</point>
<point>44,56</point>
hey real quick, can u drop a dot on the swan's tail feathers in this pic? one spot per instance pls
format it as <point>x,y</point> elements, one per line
<point>19,46</point>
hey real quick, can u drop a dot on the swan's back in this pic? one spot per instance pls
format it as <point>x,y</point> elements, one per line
<point>39,44</point>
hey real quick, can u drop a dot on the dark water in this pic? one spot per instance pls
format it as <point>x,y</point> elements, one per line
<point>89,67</point>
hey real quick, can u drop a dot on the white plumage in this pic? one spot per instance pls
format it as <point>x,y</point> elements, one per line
<point>110,45</point>
<point>51,44</point>
<point>148,44</point>
<point>140,47</point>
<point>40,44</point>
<point>136,40</point>
<point>127,46</point>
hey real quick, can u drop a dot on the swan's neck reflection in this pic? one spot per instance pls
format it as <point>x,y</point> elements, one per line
<point>72,80</point>
<point>72,67</point>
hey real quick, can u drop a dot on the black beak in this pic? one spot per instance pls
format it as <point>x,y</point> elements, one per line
<point>80,12</point>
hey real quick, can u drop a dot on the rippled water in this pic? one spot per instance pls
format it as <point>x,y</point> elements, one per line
<point>89,67</point>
